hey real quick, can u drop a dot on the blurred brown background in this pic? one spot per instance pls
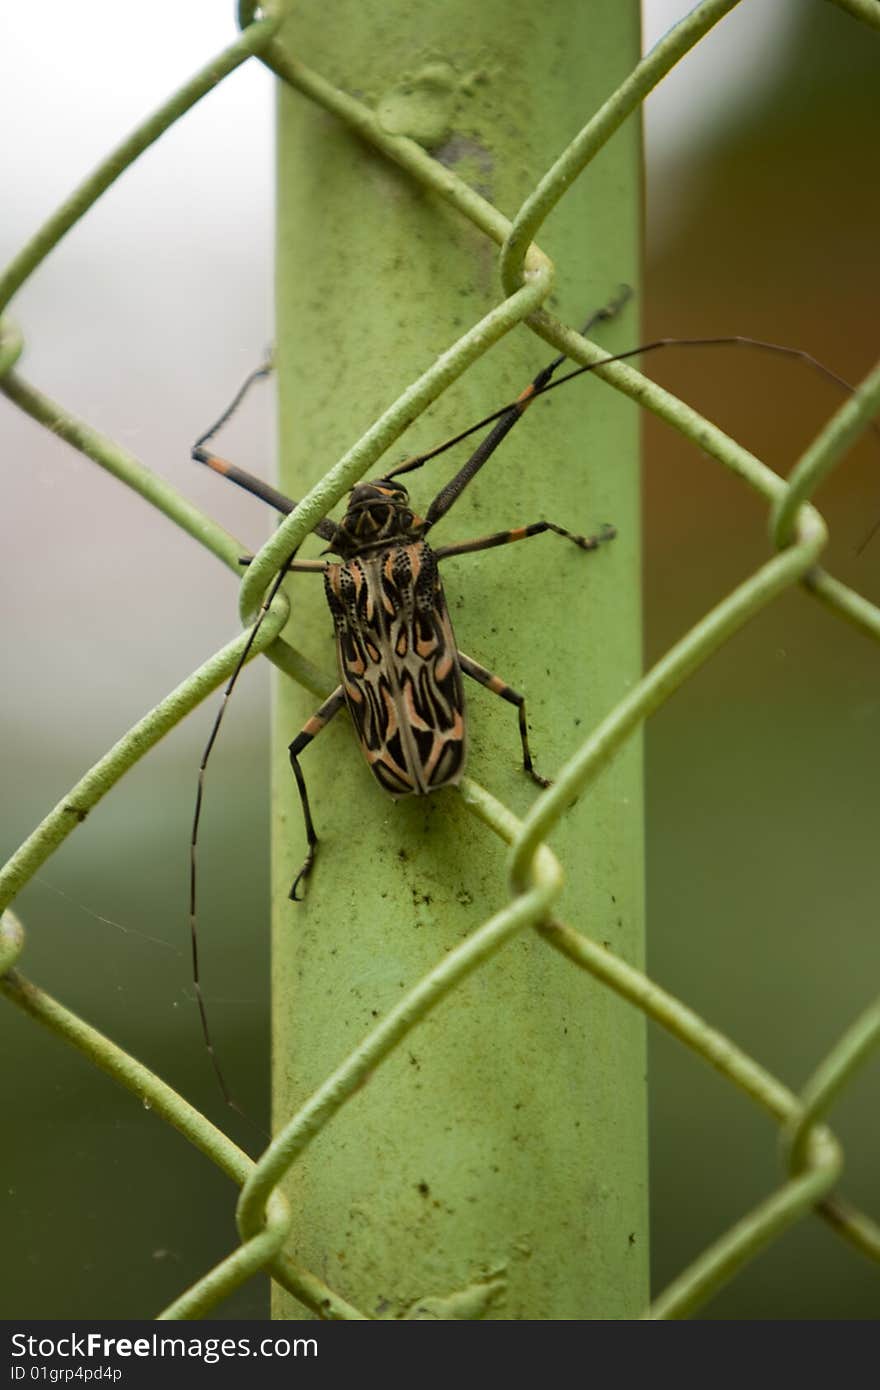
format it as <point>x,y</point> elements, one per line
<point>762,819</point>
<point>762,793</point>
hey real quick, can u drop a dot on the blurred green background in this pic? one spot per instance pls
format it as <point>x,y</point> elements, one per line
<point>762,773</point>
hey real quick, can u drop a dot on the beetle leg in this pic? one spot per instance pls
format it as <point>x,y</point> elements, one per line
<point>499,687</point>
<point>522,533</point>
<point>332,705</point>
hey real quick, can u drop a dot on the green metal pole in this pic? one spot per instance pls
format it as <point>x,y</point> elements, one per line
<point>500,1152</point>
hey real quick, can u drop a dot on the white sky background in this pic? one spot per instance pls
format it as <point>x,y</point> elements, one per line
<point>153,308</point>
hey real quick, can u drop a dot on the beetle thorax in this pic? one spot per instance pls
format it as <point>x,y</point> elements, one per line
<point>378,514</point>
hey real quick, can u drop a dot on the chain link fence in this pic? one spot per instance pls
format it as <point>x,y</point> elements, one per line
<point>812,1157</point>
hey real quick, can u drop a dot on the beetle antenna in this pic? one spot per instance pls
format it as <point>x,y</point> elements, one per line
<point>262,371</point>
<point>194,839</point>
<point>733,340</point>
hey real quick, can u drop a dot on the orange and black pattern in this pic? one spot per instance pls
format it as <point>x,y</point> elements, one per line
<point>399,667</point>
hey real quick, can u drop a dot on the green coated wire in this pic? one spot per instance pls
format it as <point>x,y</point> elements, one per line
<point>535,874</point>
